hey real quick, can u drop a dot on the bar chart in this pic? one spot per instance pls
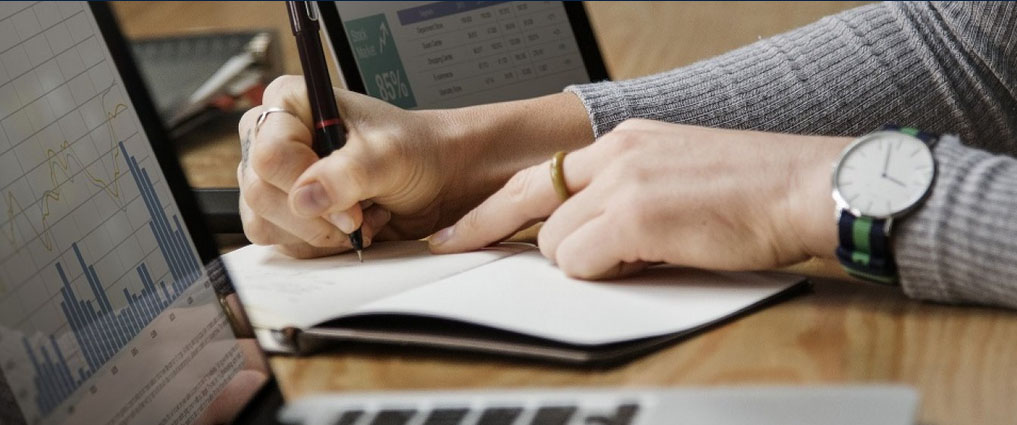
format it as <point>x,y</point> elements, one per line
<point>99,330</point>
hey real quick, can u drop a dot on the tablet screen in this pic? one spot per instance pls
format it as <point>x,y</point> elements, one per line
<point>449,54</point>
<point>108,313</point>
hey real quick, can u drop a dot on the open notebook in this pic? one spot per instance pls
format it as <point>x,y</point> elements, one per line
<point>506,299</point>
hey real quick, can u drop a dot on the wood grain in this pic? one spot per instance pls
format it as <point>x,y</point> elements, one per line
<point>962,359</point>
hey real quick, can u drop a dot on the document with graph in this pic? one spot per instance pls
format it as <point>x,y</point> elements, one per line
<point>106,313</point>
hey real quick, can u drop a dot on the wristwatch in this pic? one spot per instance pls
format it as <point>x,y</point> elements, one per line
<point>879,177</point>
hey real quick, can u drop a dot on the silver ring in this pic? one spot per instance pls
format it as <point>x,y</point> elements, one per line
<point>263,115</point>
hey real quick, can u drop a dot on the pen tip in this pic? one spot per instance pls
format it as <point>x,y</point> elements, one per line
<point>360,255</point>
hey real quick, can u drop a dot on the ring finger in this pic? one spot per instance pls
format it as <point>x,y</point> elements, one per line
<point>270,203</point>
<point>375,219</point>
<point>263,232</point>
<point>529,195</point>
<point>582,207</point>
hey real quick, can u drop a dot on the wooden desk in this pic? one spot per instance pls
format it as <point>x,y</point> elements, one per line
<point>963,359</point>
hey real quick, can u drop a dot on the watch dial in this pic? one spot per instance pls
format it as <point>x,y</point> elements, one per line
<point>884,174</point>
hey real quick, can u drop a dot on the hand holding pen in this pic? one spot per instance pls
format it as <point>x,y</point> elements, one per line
<point>329,131</point>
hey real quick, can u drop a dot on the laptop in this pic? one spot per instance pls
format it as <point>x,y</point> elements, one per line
<point>115,310</point>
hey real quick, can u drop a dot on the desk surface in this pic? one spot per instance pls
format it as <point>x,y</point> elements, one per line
<point>962,359</point>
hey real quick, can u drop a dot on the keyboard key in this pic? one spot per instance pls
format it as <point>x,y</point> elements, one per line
<point>349,417</point>
<point>623,415</point>
<point>393,417</point>
<point>446,416</point>
<point>499,416</point>
<point>553,415</point>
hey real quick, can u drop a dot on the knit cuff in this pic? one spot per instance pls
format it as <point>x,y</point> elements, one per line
<point>606,104</point>
<point>958,246</point>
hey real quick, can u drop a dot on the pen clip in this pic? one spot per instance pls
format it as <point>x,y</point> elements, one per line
<point>312,11</point>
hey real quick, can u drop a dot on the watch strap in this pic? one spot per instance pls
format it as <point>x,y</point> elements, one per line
<point>929,138</point>
<point>864,248</point>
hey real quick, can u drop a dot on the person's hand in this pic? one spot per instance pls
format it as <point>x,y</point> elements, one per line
<point>393,157</point>
<point>402,174</point>
<point>655,192</point>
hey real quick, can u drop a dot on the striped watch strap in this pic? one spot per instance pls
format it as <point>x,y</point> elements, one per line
<point>864,249</point>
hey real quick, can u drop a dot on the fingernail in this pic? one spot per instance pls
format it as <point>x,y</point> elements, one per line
<point>311,200</point>
<point>343,221</point>
<point>442,236</point>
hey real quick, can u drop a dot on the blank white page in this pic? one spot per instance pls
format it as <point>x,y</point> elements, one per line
<point>525,293</point>
<point>279,291</point>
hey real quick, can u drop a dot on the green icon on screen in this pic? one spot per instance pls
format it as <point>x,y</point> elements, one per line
<point>378,58</point>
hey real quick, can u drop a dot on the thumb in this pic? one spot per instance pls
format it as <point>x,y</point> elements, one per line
<point>338,183</point>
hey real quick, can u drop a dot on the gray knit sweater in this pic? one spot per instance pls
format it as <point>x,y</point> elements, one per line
<point>941,67</point>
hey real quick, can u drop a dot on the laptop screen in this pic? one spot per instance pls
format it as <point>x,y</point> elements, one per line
<point>451,53</point>
<point>108,313</point>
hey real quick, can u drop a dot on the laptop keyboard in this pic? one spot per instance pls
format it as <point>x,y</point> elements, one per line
<point>622,414</point>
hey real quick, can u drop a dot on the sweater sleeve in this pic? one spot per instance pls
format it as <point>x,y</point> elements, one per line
<point>947,68</point>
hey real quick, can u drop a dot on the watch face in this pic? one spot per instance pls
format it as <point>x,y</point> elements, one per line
<point>884,174</point>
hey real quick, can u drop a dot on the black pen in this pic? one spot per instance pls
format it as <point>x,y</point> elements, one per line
<point>329,132</point>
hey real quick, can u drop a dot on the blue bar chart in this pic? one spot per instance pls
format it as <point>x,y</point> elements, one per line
<point>100,330</point>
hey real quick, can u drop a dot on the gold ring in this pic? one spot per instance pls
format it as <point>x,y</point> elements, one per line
<point>558,175</point>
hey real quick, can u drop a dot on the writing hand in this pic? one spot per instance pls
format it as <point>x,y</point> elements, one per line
<point>280,153</point>
<point>402,174</point>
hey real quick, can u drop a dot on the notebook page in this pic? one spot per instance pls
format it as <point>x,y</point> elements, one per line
<point>279,291</point>
<point>525,293</point>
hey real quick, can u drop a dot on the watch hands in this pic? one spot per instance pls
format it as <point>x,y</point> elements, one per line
<point>886,162</point>
<point>886,167</point>
<point>898,182</point>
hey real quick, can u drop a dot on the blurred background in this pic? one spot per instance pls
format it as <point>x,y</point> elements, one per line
<point>206,62</point>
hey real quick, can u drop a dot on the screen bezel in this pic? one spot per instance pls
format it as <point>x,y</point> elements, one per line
<point>342,52</point>
<point>262,406</point>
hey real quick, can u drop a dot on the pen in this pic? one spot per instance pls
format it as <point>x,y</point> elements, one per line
<point>329,132</point>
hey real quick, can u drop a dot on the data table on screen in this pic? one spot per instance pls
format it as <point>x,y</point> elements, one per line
<point>451,53</point>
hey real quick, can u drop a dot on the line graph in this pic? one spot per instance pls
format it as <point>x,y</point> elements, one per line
<point>59,160</point>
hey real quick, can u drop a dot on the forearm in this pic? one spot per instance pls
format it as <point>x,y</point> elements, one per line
<point>847,74</point>
<point>492,142</point>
